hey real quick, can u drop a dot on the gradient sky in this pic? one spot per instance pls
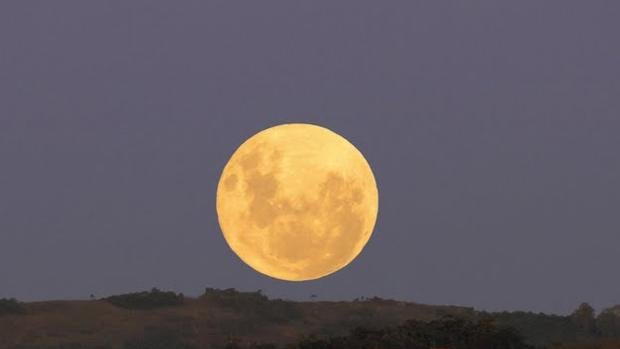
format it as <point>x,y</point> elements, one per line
<point>493,128</point>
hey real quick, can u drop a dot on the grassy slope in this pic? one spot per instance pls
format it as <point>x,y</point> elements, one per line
<point>100,324</point>
<point>209,322</point>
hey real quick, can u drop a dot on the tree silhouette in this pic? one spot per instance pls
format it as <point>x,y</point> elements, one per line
<point>583,317</point>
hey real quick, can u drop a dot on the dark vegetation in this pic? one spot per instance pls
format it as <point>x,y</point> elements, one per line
<point>445,333</point>
<point>10,306</point>
<point>146,300</point>
<point>254,305</point>
<point>581,326</point>
<point>233,319</point>
<point>158,338</point>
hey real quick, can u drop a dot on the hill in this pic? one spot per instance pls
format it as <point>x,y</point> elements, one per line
<point>221,316</point>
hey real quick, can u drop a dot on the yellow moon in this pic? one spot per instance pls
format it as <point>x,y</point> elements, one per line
<point>297,202</point>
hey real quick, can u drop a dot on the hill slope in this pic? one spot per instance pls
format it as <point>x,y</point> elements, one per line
<point>215,318</point>
<point>207,321</point>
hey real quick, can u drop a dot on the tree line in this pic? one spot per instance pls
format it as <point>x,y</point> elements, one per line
<point>146,299</point>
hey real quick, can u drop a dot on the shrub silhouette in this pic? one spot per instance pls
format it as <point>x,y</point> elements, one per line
<point>10,306</point>
<point>608,324</point>
<point>253,304</point>
<point>146,300</point>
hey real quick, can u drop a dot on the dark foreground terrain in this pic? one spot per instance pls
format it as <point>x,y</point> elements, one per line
<point>232,319</point>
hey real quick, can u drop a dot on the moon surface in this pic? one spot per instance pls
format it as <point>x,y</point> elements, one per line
<point>297,202</point>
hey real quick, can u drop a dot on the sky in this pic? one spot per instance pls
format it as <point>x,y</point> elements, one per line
<point>492,128</point>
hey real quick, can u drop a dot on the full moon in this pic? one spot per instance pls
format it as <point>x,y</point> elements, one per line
<point>297,202</point>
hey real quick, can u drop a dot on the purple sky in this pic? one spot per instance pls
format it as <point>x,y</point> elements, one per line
<point>493,128</point>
